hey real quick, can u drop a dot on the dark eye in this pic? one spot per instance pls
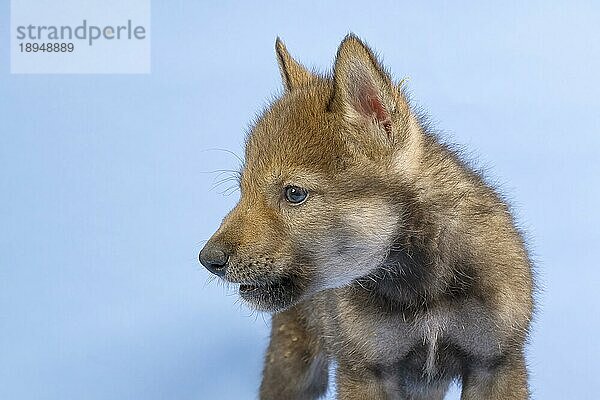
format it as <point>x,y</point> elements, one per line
<point>295,194</point>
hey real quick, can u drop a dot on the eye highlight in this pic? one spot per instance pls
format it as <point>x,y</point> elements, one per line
<point>295,195</point>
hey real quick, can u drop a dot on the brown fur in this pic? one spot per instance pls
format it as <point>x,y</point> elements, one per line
<point>402,265</point>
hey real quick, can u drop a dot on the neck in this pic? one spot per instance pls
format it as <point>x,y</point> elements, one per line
<point>422,267</point>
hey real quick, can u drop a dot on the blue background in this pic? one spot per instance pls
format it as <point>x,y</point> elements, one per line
<point>105,198</point>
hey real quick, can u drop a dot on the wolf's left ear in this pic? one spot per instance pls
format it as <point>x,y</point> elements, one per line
<point>363,90</point>
<point>293,74</point>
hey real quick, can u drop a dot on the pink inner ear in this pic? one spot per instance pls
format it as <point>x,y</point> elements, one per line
<point>370,106</point>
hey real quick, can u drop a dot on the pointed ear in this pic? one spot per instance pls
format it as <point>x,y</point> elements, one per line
<point>363,91</point>
<point>293,74</point>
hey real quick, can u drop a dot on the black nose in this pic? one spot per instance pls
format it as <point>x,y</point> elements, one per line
<point>214,258</point>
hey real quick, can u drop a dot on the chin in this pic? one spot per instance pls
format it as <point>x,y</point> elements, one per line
<point>273,296</point>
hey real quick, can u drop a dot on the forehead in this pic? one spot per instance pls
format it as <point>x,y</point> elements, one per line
<point>295,134</point>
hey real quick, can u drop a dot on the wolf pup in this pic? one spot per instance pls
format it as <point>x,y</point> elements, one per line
<point>373,245</point>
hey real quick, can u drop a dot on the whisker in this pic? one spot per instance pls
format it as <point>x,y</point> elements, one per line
<point>225,151</point>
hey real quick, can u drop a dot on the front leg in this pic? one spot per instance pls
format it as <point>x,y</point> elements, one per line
<point>295,367</point>
<point>357,383</point>
<point>505,381</point>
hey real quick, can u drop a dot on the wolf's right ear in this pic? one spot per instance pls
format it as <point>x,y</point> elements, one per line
<point>293,74</point>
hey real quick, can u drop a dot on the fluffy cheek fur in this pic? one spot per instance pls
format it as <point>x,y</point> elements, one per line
<point>355,244</point>
<point>329,244</point>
